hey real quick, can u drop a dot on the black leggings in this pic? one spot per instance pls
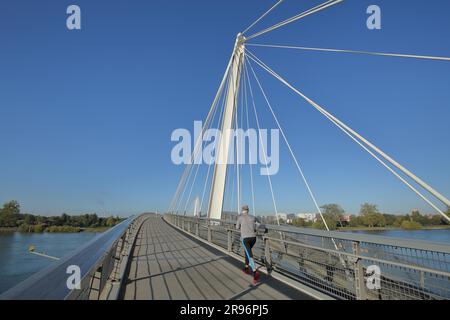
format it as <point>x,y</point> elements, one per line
<point>248,244</point>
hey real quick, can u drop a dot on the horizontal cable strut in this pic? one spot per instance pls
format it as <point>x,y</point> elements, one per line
<point>315,9</point>
<point>261,17</point>
<point>354,135</point>
<point>386,54</point>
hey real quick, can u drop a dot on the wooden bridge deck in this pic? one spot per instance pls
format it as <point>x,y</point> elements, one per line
<point>167,264</point>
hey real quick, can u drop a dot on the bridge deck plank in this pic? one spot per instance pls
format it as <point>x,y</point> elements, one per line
<point>167,264</point>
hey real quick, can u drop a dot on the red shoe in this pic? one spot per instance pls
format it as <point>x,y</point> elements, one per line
<point>246,270</point>
<point>256,277</point>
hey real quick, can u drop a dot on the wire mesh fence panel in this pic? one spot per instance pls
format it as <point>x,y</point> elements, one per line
<point>343,265</point>
<point>220,237</point>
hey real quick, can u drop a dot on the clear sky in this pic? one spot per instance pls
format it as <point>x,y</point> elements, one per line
<point>86,116</point>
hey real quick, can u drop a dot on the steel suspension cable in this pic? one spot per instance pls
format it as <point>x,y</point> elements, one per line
<point>342,260</point>
<point>215,145</point>
<point>188,167</point>
<point>198,165</point>
<point>357,138</point>
<point>237,146</point>
<point>197,149</point>
<point>261,17</point>
<point>306,13</point>
<point>386,54</point>
<point>250,164</point>
<point>261,142</point>
<point>311,194</point>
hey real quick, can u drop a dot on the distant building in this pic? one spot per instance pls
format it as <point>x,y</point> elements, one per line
<point>283,216</point>
<point>229,215</point>
<point>268,219</point>
<point>290,218</point>
<point>310,217</point>
<point>345,220</point>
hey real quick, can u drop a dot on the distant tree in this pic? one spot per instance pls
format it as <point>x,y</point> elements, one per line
<point>332,213</point>
<point>417,217</point>
<point>38,228</point>
<point>24,228</point>
<point>411,225</point>
<point>356,221</point>
<point>41,219</point>
<point>111,221</point>
<point>93,220</point>
<point>9,214</point>
<point>398,221</point>
<point>299,222</point>
<point>371,217</point>
<point>438,220</point>
<point>65,219</point>
<point>55,221</point>
<point>333,210</point>
<point>390,219</point>
<point>368,208</point>
<point>29,219</point>
<point>331,223</point>
<point>445,221</point>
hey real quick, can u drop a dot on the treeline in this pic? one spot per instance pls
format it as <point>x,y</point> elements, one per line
<point>370,217</point>
<point>11,217</point>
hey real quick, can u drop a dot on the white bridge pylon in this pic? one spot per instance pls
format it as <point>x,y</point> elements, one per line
<point>220,168</point>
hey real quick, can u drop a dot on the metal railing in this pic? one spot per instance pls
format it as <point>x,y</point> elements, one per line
<point>341,265</point>
<point>100,261</point>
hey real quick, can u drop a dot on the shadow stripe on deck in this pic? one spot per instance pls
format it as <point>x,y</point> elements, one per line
<point>169,265</point>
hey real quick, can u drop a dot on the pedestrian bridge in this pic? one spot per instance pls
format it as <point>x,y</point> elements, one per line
<point>186,257</point>
<point>172,257</point>
<point>168,264</point>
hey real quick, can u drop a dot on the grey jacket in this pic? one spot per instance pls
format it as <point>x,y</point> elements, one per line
<point>248,225</point>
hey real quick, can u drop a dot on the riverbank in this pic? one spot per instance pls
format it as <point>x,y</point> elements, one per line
<point>343,229</point>
<point>95,230</point>
<point>62,229</point>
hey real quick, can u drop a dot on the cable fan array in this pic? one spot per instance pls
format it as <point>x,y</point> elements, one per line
<point>246,113</point>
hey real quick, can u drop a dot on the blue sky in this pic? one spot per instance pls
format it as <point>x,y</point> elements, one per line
<point>86,116</point>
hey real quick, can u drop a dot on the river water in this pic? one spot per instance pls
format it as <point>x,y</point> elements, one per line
<point>17,264</point>
<point>427,235</point>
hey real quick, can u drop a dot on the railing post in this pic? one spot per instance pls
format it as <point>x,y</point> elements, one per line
<point>189,226</point>
<point>422,279</point>
<point>209,231</point>
<point>267,255</point>
<point>229,240</point>
<point>197,228</point>
<point>360,289</point>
